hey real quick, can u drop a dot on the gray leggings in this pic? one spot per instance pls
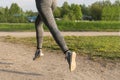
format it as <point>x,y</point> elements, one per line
<point>46,8</point>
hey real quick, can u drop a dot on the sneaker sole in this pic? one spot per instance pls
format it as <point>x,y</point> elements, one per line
<point>73,62</point>
<point>38,57</point>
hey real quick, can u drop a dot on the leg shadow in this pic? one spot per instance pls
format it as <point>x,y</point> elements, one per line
<point>21,73</point>
<point>6,63</point>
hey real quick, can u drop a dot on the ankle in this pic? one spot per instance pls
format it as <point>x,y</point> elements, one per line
<point>66,51</point>
<point>39,48</point>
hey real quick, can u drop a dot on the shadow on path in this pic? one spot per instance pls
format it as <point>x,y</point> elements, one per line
<point>21,73</point>
<point>6,63</point>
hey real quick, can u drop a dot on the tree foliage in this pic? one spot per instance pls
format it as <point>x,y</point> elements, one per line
<point>96,11</point>
<point>57,12</point>
<point>85,10</point>
<point>105,10</point>
<point>71,12</point>
<point>99,10</point>
<point>14,14</point>
<point>14,9</point>
<point>111,12</point>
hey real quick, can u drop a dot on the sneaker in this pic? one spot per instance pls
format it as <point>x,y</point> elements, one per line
<point>38,54</point>
<point>71,59</point>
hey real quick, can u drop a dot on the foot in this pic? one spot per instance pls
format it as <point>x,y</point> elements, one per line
<point>71,59</point>
<point>38,54</point>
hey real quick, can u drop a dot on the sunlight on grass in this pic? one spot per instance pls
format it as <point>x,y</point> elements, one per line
<point>66,26</point>
<point>102,46</point>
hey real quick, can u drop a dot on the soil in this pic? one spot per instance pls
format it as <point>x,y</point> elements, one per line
<point>32,34</point>
<point>16,64</point>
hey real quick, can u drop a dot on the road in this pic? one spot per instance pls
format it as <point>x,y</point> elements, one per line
<point>32,34</point>
<point>16,64</point>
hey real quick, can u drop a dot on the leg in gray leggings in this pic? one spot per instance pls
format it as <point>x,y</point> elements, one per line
<point>45,8</point>
<point>39,31</point>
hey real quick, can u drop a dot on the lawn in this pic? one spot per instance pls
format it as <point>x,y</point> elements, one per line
<point>107,47</point>
<point>66,26</point>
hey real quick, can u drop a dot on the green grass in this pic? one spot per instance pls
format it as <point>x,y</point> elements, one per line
<point>89,26</point>
<point>17,27</point>
<point>66,26</point>
<point>107,47</point>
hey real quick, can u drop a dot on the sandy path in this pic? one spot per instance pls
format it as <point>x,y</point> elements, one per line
<point>32,34</point>
<point>16,64</point>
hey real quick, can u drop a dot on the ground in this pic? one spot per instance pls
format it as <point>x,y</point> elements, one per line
<point>16,64</point>
<point>32,34</point>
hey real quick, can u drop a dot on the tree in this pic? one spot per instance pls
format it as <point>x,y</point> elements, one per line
<point>6,14</point>
<point>107,3</point>
<point>31,13</point>
<point>57,12</point>
<point>111,13</point>
<point>85,10</point>
<point>65,9</point>
<point>76,9</point>
<point>14,13</point>
<point>14,9</point>
<point>71,12</point>
<point>96,10</point>
<point>117,3</point>
<point>2,10</point>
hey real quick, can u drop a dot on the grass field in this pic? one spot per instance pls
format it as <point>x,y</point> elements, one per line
<point>66,26</point>
<point>107,47</point>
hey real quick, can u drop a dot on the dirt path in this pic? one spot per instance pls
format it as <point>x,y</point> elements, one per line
<point>16,64</point>
<point>32,34</point>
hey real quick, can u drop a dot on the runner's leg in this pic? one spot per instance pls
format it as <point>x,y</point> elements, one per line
<point>39,37</point>
<point>39,31</point>
<point>45,10</point>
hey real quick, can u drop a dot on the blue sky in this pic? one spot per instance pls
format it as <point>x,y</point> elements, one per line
<point>30,4</point>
